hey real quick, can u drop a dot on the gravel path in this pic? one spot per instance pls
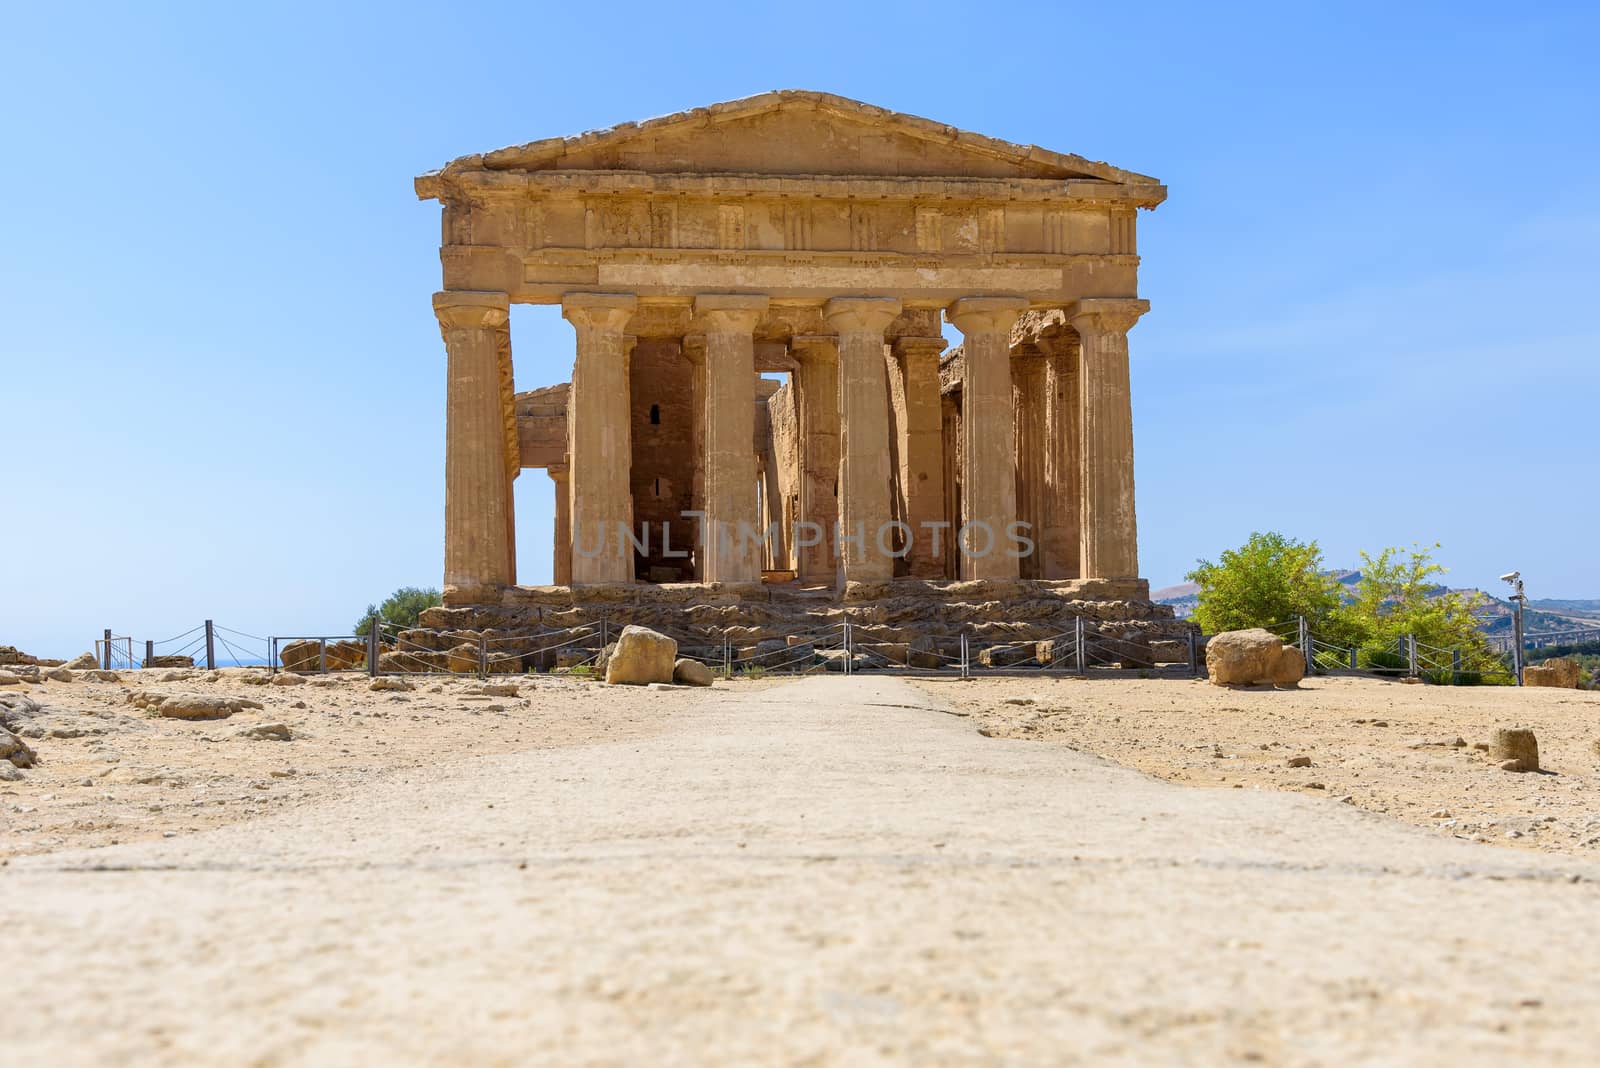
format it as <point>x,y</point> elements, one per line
<point>829,871</point>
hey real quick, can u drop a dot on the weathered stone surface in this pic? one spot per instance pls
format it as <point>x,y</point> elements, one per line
<point>1007,655</point>
<point>15,750</point>
<point>1557,671</point>
<point>82,661</point>
<point>642,656</point>
<point>1515,748</point>
<point>389,682</point>
<point>306,656</point>
<point>288,678</point>
<point>196,706</point>
<point>1289,667</point>
<point>1251,658</point>
<point>265,732</point>
<point>686,672</point>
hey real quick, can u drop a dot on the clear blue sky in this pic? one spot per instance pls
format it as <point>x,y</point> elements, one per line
<point>221,384</point>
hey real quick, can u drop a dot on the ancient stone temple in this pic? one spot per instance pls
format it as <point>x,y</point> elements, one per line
<point>761,408</point>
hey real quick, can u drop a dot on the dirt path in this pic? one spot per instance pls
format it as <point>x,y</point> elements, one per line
<point>828,871</point>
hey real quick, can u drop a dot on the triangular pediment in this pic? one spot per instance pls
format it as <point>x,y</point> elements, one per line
<point>793,132</point>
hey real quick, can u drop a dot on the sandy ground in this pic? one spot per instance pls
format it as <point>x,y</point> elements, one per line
<point>836,870</point>
<point>1386,747</point>
<point>110,772</point>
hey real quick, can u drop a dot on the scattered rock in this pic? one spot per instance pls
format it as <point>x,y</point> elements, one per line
<point>1017,701</point>
<point>82,661</point>
<point>265,732</point>
<point>1515,748</point>
<point>9,772</point>
<point>288,679</point>
<point>190,705</point>
<point>1297,762</point>
<point>176,676</point>
<point>14,751</point>
<point>97,675</point>
<point>59,674</point>
<point>389,682</point>
<point>9,679</point>
<point>499,689</point>
<point>642,656</point>
<point>1252,657</point>
<point>1447,741</point>
<point>688,672</point>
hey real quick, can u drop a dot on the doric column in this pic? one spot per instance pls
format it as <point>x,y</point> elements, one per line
<point>922,452</point>
<point>561,556</point>
<point>1063,508</point>
<point>1030,432</point>
<point>1110,531</point>
<point>599,449</point>
<point>477,495</point>
<point>864,432</point>
<point>694,350</point>
<point>989,488</point>
<point>730,476</point>
<point>816,383</point>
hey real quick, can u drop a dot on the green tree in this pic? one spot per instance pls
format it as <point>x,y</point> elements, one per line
<point>1400,592</point>
<point>402,608</point>
<point>1270,579</point>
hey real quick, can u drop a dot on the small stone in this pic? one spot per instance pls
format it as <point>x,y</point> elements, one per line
<point>1442,813</point>
<point>59,674</point>
<point>389,682</point>
<point>1017,701</point>
<point>1297,762</point>
<point>274,732</point>
<point>288,679</point>
<point>9,772</point>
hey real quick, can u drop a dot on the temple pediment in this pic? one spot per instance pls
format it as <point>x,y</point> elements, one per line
<point>789,132</point>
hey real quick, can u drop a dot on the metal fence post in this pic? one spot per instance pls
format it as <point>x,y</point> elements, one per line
<point>322,656</point>
<point>483,656</point>
<point>604,632</point>
<point>272,656</point>
<point>849,650</point>
<point>1194,662</point>
<point>1411,653</point>
<point>149,651</point>
<point>1305,644</point>
<point>105,652</point>
<point>211,647</point>
<point>372,648</point>
<point>1455,667</point>
<point>727,660</point>
<point>1354,662</point>
<point>1078,645</point>
<point>965,671</point>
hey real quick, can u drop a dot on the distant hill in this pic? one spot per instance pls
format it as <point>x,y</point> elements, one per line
<point>1546,616</point>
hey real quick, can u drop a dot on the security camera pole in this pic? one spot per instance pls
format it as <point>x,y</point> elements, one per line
<point>1518,599</point>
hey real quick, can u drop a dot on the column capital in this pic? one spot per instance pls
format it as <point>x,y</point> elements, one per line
<point>986,314</point>
<point>1103,315</point>
<point>814,347</point>
<point>694,349</point>
<point>558,472</point>
<point>914,348</point>
<point>866,314</point>
<point>609,312</point>
<point>730,313</point>
<point>470,308</point>
<point>1059,343</point>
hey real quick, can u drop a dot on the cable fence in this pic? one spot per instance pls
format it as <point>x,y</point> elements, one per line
<point>846,646</point>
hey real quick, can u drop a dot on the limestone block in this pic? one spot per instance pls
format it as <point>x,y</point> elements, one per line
<point>686,672</point>
<point>642,656</point>
<point>1515,749</point>
<point>1007,655</point>
<point>1289,668</point>
<point>1558,671</point>
<point>1248,658</point>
